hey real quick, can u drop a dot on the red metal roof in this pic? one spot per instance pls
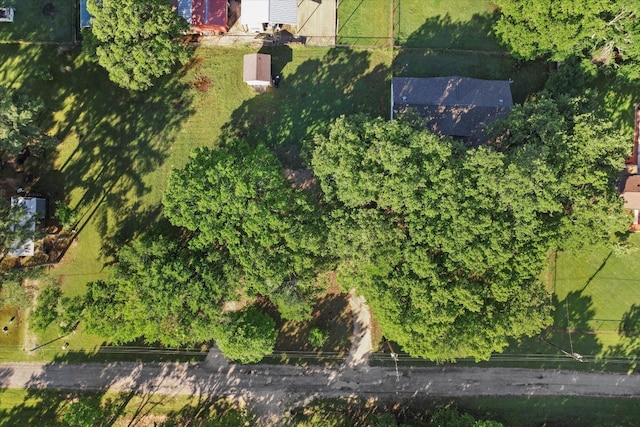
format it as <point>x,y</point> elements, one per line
<point>206,15</point>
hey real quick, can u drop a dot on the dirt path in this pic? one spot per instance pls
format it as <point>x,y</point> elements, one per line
<point>361,347</point>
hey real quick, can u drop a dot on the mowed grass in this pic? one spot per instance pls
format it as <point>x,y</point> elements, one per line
<point>527,78</point>
<point>445,24</point>
<point>117,149</point>
<point>553,411</point>
<point>595,291</point>
<point>365,23</point>
<point>33,22</point>
<point>48,407</point>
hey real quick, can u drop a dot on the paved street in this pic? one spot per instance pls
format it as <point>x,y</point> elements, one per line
<point>272,389</point>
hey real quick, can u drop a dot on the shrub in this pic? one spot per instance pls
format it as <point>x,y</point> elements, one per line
<point>317,337</point>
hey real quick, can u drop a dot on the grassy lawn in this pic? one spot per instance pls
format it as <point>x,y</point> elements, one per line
<point>553,411</point>
<point>48,407</point>
<point>117,150</point>
<point>527,77</point>
<point>445,24</point>
<point>365,22</point>
<point>34,22</point>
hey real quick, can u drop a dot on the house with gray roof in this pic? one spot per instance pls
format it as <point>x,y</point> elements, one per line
<point>455,106</point>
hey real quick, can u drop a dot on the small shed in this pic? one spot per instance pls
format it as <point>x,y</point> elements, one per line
<point>257,69</point>
<point>35,210</point>
<point>85,16</point>
<point>204,16</point>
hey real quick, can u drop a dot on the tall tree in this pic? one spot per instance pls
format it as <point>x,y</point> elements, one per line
<point>562,28</point>
<point>585,154</point>
<point>238,202</point>
<point>18,123</point>
<point>136,41</point>
<point>445,244</point>
<point>247,336</point>
<point>160,291</point>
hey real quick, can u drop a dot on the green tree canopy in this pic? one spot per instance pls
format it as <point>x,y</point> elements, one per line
<point>562,28</point>
<point>585,154</point>
<point>18,117</point>
<point>160,291</point>
<point>136,41</point>
<point>247,336</point>
<point>239,203</point>
<point>445,244</point>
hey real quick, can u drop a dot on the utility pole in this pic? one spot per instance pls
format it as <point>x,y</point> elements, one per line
<point>574,356</point>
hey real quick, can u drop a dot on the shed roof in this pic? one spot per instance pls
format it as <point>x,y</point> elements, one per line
<point>257,68</point>
<point>254,12</point>
<point>257,12</point>
<point>457,106</point>
<point>204,15</point>
<point>283,12</point>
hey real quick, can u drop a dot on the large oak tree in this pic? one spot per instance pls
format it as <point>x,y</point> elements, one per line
<point>562,28</point>
<point>136,41</point>
<point>237,201</point>
<point>447,244</point>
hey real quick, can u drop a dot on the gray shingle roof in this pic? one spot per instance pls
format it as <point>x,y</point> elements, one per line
<point>457,106</point>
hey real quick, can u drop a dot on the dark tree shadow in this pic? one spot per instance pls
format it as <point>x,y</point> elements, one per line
<point>118,138</point>
<point>442,47</point>
<point>307,100</point>
<point>442,32</point>
<point>629,331</point>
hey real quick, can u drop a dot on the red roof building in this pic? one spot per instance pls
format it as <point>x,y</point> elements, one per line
<point>204,16</point>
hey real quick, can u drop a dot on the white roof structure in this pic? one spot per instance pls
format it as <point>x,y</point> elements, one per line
<point>257,12</point>
<point>34,208</point>
<point>254,14</point>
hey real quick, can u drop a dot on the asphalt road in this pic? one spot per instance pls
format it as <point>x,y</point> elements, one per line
<point>263,381</point>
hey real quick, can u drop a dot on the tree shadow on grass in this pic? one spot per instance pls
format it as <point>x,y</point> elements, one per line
<point>308,99</point>
<point>571,332</point>
<point>450,59</point>
<point>442,32</point>
<point>114,140</point>
<point>331,314</point>
<point>629,331</point>
<point>144,390</point>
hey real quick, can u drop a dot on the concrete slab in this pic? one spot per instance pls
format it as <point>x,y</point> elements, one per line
<point>317,21</point>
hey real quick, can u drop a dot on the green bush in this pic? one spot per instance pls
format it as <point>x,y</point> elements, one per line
<point>317,337</point>
<point>247,336</point>
<point>66,215</point>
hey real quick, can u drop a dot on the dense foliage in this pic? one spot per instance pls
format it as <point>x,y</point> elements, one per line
<point>160,291</point>
<point>447,244</point>
<point>559,29</point>
<point>240,204</point>
<point>136,41</point>
<point>18,123</point>
<point>246,336</point>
